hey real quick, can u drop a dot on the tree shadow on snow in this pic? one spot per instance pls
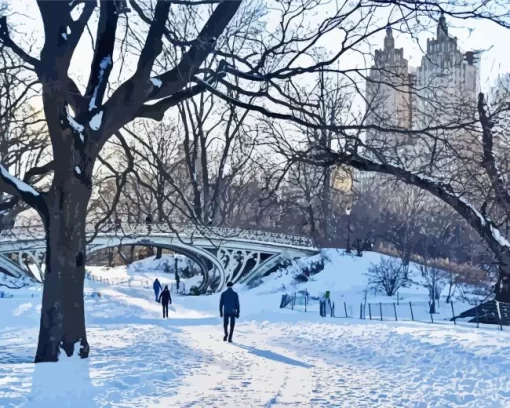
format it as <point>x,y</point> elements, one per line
<point>270,355</point>
<point>169,323</point>
<point>62,384</point>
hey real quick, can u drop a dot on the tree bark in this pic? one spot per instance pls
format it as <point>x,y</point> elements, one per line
<point>63,314</point>
<point>503,285</point>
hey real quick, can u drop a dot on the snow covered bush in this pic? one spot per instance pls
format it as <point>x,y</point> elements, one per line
<point>11,282</point>
<point>308,268</point>
<point>389,275</point>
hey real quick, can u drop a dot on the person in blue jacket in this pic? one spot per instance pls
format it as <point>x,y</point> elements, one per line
<point>229,310</point>
<point>165,299</point>
<point>157,288</point>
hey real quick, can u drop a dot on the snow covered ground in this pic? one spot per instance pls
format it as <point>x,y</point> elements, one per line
<point>278,358</point>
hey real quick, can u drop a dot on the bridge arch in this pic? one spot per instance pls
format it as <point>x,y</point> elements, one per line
<point>198,255</point>
<point>232,253</point>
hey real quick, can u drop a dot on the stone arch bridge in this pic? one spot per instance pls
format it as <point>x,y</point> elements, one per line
<point>223,254</point>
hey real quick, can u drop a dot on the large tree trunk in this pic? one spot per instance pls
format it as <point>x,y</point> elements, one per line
<point>503,285</point>
<point>62,313</point>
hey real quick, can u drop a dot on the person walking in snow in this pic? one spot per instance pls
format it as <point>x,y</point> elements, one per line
<point>229,310</point>
<point>165,299</point>
<point>157,288</point>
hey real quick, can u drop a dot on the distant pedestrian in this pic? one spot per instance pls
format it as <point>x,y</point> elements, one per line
<point>165,299</point>
<point>157,288</point>
<point>229,310</point>
<point>177,279</point>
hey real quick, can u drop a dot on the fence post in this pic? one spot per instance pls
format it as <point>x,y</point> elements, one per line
<point>345,308</point>
<point>453,313</point>
<point>305,304</point>
<point>395,309</point>
<point>476,310</point>
<point>398,299</point>
<point>412,314</point>
<point>370,311</point>
<point>293,301</point>
<point>380,309</point>
<point>361,310</point>
<point>499,315</point>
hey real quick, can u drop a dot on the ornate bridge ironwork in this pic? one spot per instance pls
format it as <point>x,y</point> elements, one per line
<point>224,254</point>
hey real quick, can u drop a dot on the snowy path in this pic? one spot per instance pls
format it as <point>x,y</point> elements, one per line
<point>352,366</point>
<point>291,360</point>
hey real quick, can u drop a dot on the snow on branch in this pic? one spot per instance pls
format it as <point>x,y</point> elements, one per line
<point>77,127</point>
<point>485,227</point>
<point>95,122</point>
<point>97,95</point>
<point>18,187</point>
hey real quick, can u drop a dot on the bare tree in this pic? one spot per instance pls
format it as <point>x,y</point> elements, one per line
<point>80,123</point>
<point>453,159</point>
<point>23,141</point>
<point>389,275</point>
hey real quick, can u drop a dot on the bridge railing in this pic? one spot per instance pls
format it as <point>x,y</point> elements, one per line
<point>37,231</point>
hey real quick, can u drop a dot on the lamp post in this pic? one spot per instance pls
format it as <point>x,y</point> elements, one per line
<point>348,212</point>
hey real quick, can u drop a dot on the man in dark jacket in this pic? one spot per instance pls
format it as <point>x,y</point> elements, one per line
<point>229,310</point>
<point>157,287</point>
<point>165,299</point>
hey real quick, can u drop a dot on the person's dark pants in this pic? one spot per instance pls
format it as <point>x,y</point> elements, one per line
<point>165,309</point>
<point>226,318</point>
<point>156,292</point>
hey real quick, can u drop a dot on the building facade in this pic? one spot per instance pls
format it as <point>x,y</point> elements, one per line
<point>388,94</point>
<point>444,87</point>
<point>447,81</point>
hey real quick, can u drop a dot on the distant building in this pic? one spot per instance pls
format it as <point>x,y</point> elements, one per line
<point>445,85</point>
<point>447,81</point>
<point>388,94</point>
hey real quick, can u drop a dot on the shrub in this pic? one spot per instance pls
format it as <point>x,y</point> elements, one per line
<point>389,275</point>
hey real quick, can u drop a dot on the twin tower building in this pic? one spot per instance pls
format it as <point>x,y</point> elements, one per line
<point>443,88</point>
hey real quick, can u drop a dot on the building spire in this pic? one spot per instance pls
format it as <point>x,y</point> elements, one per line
<point>389,42</point>
<point>442,28</point>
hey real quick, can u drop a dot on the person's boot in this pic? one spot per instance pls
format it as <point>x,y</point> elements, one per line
<point>225,338</point>
<point>230,339</point>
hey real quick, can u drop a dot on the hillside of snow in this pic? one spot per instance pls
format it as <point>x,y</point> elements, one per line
<point>279,357</point>
<point>143,273</point>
